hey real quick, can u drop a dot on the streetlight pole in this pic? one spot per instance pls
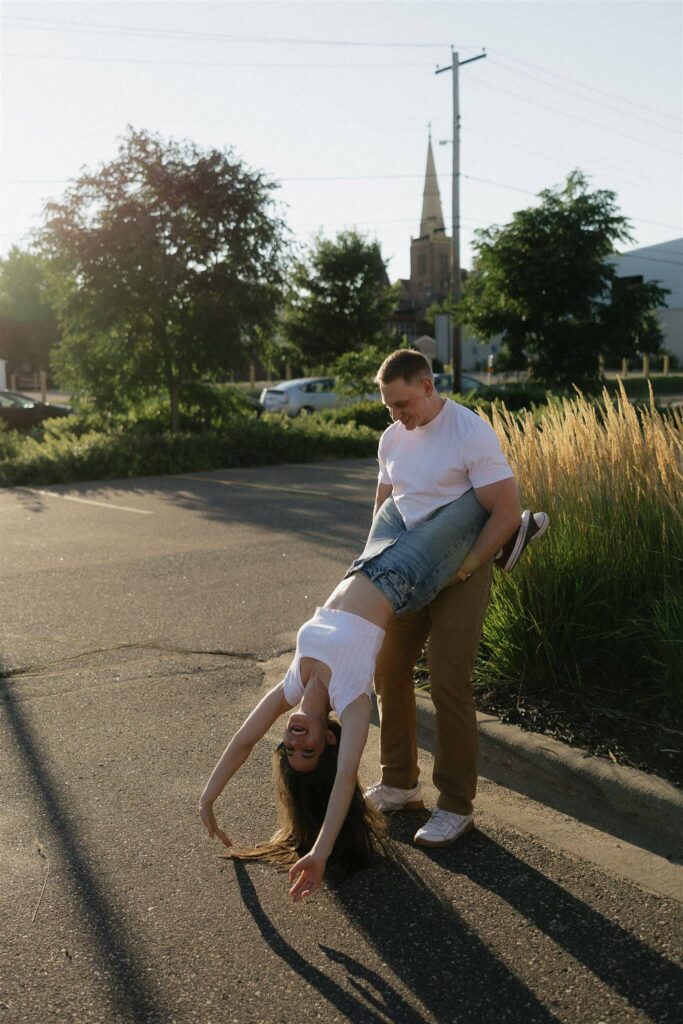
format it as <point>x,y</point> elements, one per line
<point>456,289</point>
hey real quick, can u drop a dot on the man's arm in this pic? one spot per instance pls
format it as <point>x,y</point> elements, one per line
<point>383,492</point>
<point>502,501</point>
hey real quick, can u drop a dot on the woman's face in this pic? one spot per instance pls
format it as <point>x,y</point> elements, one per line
<point>305,739</point>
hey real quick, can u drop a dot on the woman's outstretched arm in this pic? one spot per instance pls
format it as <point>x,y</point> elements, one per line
<point>306,875</point>
<point>237,751</point>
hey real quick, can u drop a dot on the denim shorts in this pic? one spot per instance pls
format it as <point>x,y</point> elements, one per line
<point>410,566</point>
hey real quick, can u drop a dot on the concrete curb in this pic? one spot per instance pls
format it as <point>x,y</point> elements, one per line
<point>642,809</point>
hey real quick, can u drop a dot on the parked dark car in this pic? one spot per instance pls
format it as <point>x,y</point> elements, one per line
<point>20,412</point>
<point>443,382</point>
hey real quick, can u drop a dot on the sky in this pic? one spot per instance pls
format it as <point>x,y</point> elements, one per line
<point>333,101</point>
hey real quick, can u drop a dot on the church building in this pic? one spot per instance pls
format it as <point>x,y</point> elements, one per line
<point>430,276</point>
<point>430,262</point>
<point>430,252</point>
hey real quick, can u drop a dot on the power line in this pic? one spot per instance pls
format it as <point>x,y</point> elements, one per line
<point>50,24</point>
<point>356,67</point>
<point>351,178</point>
<point>589,88</point>
<point>43,24</point>
<point>202,63</point>
<point>510,141</point>
<point>586,99</point>
<point>576,117</point>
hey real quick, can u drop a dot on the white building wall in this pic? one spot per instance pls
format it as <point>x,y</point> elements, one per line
<point>662,263</point>
<point>475,355</point>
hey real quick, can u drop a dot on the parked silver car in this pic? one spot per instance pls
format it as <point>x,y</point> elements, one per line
<point>305,394</point>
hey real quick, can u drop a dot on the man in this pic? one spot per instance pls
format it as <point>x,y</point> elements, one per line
<point>435,451</point>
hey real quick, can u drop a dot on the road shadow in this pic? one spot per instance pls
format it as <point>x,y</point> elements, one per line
<point>327,507</point>
<point>345,1002</point>
<point>640,975</point>
<point>130,995</point>
<point>328,504</point>
<point>439,960</point>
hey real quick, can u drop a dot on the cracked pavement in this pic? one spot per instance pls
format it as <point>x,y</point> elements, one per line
<point>133,646</point>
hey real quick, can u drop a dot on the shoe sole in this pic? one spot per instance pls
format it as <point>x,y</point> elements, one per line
<point>436,843</point>
<point>540,530</point>
<point>412,805</point>
<point>522,542</point>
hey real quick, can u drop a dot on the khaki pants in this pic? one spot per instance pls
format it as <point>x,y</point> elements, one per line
<point>453,621</point>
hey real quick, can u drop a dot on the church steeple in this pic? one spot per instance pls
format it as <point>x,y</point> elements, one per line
<point>432,218</point>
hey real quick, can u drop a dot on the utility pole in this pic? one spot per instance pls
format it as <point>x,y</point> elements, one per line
<point>456,290</point>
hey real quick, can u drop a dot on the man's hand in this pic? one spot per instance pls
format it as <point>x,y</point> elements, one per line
<point>209,820</point>
<point>306,874</point>
<point>461,576</point>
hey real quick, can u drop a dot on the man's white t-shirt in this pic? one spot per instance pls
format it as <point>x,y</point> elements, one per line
<point>433,465</point>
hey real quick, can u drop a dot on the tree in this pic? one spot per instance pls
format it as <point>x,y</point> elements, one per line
<point>545,282</point>
<point>28,326</point>
<point>354,372</point>
<point>165,264</point>
<point>340,298</point>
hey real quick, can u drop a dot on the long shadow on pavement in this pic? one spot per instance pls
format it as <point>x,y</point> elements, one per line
<point>131,998</point>
<point>407,923</point>
<point>318,515</point>
<point>641,975</point>
<point>310,506</point>
<point>439,958</point>
<point>345,1002</point>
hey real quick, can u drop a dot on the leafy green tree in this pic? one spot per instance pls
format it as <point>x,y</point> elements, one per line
<point>545,282</point>
<point>28,326</point>
<point>354,372</point>
<point>340,298</point>
<point>165,263</point>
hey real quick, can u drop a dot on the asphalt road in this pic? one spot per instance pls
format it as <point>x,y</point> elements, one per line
<point>135,620</point>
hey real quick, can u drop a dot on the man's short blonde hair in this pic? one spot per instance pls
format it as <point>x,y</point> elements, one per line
<point>405,363</point>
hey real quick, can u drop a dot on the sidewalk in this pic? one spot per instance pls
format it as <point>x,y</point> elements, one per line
<point>624,821</point>
<point>642,809</point>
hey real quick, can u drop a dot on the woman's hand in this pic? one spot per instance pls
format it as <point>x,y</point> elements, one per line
<point>306,874</point>
<point>209,820</point>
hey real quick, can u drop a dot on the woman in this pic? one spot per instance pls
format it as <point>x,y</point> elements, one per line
<point>324,816</point>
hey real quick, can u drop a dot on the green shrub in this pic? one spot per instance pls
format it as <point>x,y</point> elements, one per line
<point>66,451</point>
<point>364,414</point>
<point>518,396</point>
<point>376,416</point>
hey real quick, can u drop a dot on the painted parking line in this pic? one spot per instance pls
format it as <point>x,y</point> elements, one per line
<point>273,487</point>
<point>89,501</point>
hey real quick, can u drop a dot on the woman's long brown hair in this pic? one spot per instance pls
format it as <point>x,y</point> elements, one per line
<point>302,799</point>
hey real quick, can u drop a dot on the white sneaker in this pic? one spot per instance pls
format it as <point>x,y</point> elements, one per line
<point>443,827</point>
<point>390,798</point>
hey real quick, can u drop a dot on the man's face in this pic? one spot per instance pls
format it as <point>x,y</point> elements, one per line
<point>410,402</point>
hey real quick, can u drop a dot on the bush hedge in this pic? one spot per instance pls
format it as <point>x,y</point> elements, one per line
<point>70,449</point>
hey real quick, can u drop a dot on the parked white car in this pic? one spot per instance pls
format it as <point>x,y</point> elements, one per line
<point>305,394</point>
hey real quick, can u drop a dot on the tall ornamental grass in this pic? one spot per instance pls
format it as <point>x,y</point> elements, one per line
<point>594,611</point>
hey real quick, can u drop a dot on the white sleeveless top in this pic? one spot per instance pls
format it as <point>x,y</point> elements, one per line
<point>348,644</point>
